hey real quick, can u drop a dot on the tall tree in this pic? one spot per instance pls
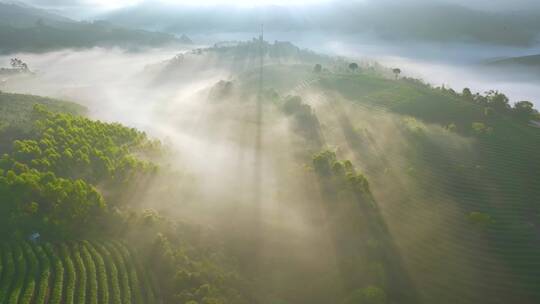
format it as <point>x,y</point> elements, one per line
<point>396,72</point>
<point>524,110</point>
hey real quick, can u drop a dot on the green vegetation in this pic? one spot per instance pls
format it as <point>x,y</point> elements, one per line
<point>531,61</point>
<point>47,180</point>
<point>404,188</point>
<point>368,295</point>
<point>395,22</point>
<point>8,273</point>
<point>123,275</point>
<point>92,276</point>
<point>60,161</point>
<point>132,273</point>
<point>24,28</point>
<point>113,279</point>
<point>16,115</point>
<point>30,282</point>
<point>367,257</point>
<point>32,286</point>
<point>474,153</point>
<point>103,285</point>
<point>18,278</point>
<point>71,275</point>
<point>43,274</point>
<point>80,273</point>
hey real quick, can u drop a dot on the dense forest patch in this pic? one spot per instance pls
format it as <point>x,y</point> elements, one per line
<point>48,178</point>
<point>63,179</point>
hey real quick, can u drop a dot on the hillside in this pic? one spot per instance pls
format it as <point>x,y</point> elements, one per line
<point>415,161</point>
<point>16,108</point>
<point>75,272</point>
<point>18,15</point>
<point>28,29</point>
<point>428,193</point>
<point>363,185</point>
<point>532,61</point>
<point>69,178</point>
<point>16,114</point>
<point>387,20</point>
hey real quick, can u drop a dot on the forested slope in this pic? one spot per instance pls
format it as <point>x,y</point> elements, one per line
<point>371,188</point>
<point>68,182</point>
<point>462,166</point>
<point>450,214</point>
<point>29,29</point>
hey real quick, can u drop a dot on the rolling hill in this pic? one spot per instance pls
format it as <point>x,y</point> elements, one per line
<point>19,15</point>
<point>382,188</point>
<point>24,28</point>
<point>531,61</point>
<point>453,176</point>
<point>386,20</point>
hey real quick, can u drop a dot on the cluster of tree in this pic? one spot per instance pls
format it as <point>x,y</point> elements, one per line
<point>498,102</point>
<point>16,63</point>
<point>367,256</point>
<point>16,115</point>
<point>355,229</point>
<point>278,51</point>
<point>47,179</point>
<point>305,121</point>
<point>467,112</point>
<point>326,165</point>
<point>17,67</point>
<point>222,89</point>
<point>189,260</point>
<point>396,72</point>
<point>60,178</point>
<point>341,66</point>
<point>16,109</point>
<point>78,148</point>
<point>34,201</point>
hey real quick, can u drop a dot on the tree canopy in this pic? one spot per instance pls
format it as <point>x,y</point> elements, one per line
<point>47,180</point>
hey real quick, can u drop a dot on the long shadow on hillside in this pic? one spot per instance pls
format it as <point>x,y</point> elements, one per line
<point>361,238</point>
<point>490,188</point>
<point>401,285</point>
<point>447,174</point>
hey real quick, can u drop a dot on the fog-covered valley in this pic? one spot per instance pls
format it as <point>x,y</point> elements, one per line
<point>454,64</point>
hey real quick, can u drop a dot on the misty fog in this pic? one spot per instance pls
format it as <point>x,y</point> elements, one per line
<point>454,65</point>
<point>243,122</point>
<point>121,86</point>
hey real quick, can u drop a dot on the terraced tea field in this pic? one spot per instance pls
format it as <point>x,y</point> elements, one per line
<point>75,272</point>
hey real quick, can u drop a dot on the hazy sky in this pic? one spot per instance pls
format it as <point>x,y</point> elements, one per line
<point>113,4</point>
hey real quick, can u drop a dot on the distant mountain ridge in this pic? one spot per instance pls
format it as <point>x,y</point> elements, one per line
<point>388,20</point>
<point>19,15</point>
<point>528,61</point>
<point>29,29</point>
